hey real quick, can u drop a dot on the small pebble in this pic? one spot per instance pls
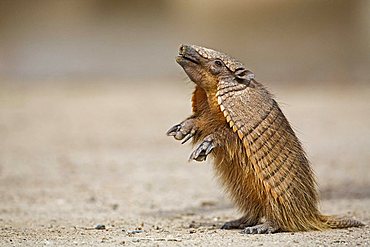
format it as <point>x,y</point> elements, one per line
<point>174,239</point>
<point>100,227</point>
<point>135,231</point>
<point>207,204</point>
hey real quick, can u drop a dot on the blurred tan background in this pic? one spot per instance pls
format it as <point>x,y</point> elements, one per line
<point>88,89</point>
<point>279,40</point>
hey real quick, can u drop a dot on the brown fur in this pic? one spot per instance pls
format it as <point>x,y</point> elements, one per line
<point>257,156</point>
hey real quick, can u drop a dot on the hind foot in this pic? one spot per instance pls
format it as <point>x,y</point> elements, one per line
<point>265,228</point>
<point>241,223</point>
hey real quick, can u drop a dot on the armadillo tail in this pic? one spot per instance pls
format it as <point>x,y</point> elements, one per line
<point>340,222</point>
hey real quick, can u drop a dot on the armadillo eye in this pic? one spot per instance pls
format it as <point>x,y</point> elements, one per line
<point>218,63</point>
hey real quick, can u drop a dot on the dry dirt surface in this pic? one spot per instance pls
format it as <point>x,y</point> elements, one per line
<point>85,164</point>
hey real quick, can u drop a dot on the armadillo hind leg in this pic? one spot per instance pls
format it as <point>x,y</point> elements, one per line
<point>240,223</point>
<point>202,151</point>
<point>265,228</point>
<point>184,130</point>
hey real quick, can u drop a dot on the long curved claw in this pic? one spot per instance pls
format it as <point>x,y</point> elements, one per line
<point>189,136</point>
<point>202,151</point>
<point>265,228</point>
<point>186,129</point>
<point>173,130</point>
<point>240,223</point>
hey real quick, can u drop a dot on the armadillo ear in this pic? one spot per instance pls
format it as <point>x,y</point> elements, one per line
<point>244,75</point>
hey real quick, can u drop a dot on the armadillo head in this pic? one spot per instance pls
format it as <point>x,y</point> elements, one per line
<point>207,67</point>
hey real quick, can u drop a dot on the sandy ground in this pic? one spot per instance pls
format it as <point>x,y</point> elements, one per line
<point>78,155</point>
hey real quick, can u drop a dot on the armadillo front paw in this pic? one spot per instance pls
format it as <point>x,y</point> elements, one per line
<point>185,129</point>
<point>201,152</point>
